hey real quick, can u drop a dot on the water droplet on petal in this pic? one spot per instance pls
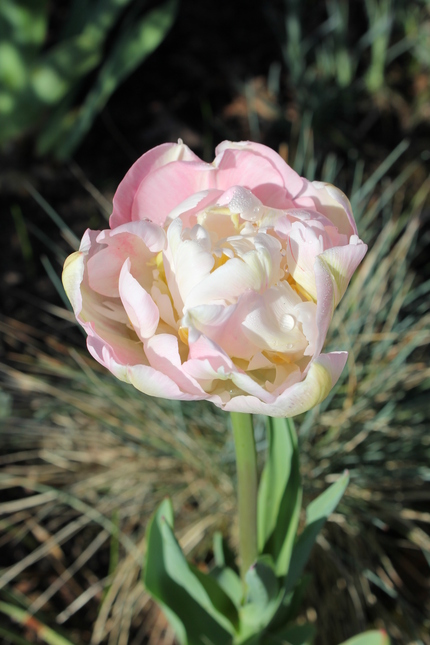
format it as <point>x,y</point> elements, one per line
<point>287,322</point>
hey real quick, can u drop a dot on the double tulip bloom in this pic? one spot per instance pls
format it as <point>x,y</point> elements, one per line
<point>218,281</point>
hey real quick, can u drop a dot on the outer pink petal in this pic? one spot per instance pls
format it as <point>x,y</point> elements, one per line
<point>323,374</point>
<point>331,202</point>
<point>342,262</point>
<point>73,274</point>
<point>166,187</point>
<point>159,156</point>
<point>333,271</point>
<point>144,378</point>
<point>74,271</point>
<point>112,348</point>
<point>253,164</point>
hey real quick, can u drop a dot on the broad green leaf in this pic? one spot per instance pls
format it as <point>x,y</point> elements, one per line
<point>263,596</point>
<point>57,71</point>
<point>230,582</point>
<point>13,67</point>
<point>375,637</point>
<point>262,583</point>
<point>324,505</point>
<point>185,599</point>
<point>274,477</point>
<point>280,494</point>
<point>293,635</point>
<point>219,599</point>
<point>135,43</point>
<point>316,514</point>
<point>84,11</point>
<point>23,23</point>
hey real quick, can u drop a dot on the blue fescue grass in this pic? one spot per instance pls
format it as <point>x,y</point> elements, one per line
<point>90,449</point>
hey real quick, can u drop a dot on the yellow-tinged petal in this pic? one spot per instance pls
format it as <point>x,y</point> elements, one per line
<point>319,381</point>
<point>341,263</point>
<point>73,273</point>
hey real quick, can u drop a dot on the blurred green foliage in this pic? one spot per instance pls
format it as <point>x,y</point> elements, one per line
<point>344,59</point>
<point>46,87</point>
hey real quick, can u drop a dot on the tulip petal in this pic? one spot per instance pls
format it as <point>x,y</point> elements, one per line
<point>331,202</point>
<point>323,374</point>
<point>193,205</point>
<point>272,323</point>
<point>256,269</point>
<point>162,351</point>
<point>155,158</point>
<point>154,383</point>
<point>73,273</point>
<point>341,262</point>
<point>138,241</point>
<point>190,259</point>
<point>258,164</point>
<point>163,189</point>
<point>151,235</point>
<point>224,325</point>
<point>113,347</point>
<point>140,308</point>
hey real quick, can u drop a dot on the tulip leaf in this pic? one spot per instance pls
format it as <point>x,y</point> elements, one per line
<point>264,597</point>
<point>263,586</point>
<point>374,637</point>
<point>230,582</point>
<point>280,494</point>
<point>220,600</point>
<point>61,66</point>
<point>193,602</point>
<point>24,23</point>
<point>316,514</point>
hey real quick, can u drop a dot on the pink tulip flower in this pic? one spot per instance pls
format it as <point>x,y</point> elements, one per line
<point>218,281</point>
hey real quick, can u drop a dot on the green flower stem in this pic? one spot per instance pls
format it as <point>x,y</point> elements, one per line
<point>246,460</point>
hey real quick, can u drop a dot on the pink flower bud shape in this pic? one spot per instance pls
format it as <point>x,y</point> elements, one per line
<point>218,281</point>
